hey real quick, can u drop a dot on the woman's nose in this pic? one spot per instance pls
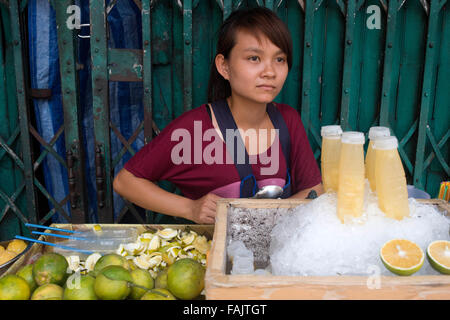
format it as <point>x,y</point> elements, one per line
<point>269,70</point>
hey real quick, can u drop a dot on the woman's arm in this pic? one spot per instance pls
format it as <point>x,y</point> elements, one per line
<point>302,194</point>
<point>150,196</point>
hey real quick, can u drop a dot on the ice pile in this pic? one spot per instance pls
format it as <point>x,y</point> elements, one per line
<point>312,241</point>
<point>241,258</point>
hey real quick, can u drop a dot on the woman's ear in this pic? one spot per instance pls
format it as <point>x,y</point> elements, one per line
<point>222,66</point>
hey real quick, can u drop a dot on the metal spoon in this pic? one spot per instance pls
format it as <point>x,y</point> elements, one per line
<point>268,192</point>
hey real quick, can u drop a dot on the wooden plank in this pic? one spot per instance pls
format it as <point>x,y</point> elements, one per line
<point>23,109</point>
<point>177,60</point>
<point>71,105</point>
<point>427,88</point>
<point>8,224</point>
<point>13,112</point>
<point>347,108</point>
<point>187,54</point>
<point>371,48</point>
<point>333,58</point>
<point>388,72</point>
<point>147,69</point>
<point>413,30</point>
<point>440,113</point>
<point>292,15</point>
<point>315,94</point>
<point>162,72</point>
<point>307,65</point>
<point>100,105</point>
<point>201,53</point>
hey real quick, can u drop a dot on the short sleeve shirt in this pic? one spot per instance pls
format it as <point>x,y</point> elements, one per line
<point>190,153</point>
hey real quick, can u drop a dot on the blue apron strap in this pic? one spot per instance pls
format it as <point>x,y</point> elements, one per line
<point>285,139</point>
<point>226,121</point>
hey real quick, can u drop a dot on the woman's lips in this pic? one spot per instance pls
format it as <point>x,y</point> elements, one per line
<point>266,87</point>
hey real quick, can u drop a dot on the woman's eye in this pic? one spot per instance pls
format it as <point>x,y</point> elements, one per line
<point>253,58</point>
<point>280,59</point>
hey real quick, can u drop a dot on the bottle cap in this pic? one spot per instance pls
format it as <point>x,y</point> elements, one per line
<point>386,143</point>
<point>331,131</point>
<point>376,132</point>
<point>353,137</point>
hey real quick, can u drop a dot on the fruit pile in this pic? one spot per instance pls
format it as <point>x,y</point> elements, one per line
<point>165,264</point>
<point>14,248</point>
<point>110,277</point>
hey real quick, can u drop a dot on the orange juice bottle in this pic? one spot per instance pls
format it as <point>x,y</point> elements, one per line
<point>351,176</point>
<point>390,179</point>
<point>331,146</point>
<point>374,133</point>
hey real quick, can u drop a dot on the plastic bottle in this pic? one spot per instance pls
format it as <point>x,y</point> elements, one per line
<point>374,133</point>
<point>331,147</point>
<point>390,179</point>
<point>351,176</point>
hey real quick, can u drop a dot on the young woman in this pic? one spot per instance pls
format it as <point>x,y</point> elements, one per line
<point>239,142</point>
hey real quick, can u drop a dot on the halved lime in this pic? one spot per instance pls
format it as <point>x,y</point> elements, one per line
<point>438,253</point>
<point>402,257</point>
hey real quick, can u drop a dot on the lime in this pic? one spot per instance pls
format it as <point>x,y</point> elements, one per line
<point>402,257</point>
<point>161,279</point>
<point>13,287</point>
<point>26,273</point>
<point>186,278</point>
<point>82,290</point>
<point>112,283</point>
<point>50,268</point>
<point>110,260</point>
<point>158,294</point>
<point>438,253</point>
<point>49,291</point>
<point>141,278</point>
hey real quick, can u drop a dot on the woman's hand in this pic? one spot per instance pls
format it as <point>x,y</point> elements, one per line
<point>203,210</point>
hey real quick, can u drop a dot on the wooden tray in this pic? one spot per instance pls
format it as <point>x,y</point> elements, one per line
<point>38,249</point>
<point>219,285</point>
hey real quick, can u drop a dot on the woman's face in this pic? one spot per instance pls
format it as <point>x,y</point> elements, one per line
<point>256,70</point>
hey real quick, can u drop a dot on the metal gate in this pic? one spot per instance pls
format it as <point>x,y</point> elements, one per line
<point>356,63</point>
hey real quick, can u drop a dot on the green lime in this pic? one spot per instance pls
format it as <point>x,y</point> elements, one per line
<point>13,287</point>
<point>186,278</point>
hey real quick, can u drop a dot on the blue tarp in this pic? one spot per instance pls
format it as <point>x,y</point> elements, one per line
<point>126,110</point>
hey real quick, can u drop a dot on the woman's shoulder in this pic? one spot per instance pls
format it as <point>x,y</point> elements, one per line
<point>186,119</point>
<point>290,114</point>
<point>193,114</point>
<point>285,108</point>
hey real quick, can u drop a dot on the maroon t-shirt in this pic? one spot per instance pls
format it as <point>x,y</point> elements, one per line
<point>190,153</point>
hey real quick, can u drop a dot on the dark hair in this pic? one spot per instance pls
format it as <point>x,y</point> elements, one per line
<point>259,21</point>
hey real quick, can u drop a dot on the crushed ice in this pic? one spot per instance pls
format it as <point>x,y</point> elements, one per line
<point>310,240</point>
